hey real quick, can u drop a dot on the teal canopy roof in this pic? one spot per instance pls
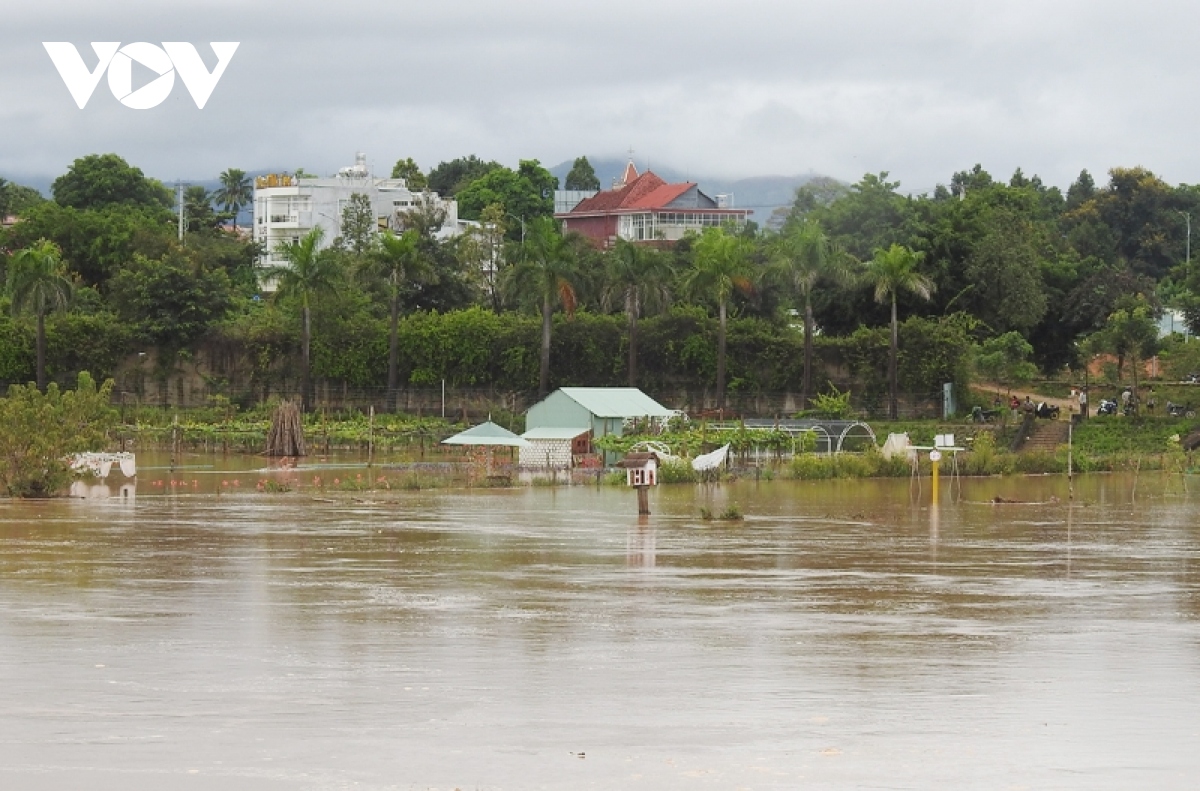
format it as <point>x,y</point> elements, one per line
<point>486,434</point>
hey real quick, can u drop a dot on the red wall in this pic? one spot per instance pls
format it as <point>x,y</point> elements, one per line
<point>598,229</point>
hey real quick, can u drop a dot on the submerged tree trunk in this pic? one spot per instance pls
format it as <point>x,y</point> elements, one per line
<point>286,435</point>
<point>544,380</point>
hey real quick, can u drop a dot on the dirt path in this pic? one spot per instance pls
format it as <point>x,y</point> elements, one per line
<point>1067,405</point>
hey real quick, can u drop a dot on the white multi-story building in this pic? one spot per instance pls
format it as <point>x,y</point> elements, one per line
<point>287,207</point>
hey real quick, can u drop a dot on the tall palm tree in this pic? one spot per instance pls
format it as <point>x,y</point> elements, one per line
<point>803,256</point>
<point>396,261</point>
<point>37,282</point>
<point>548,270</point>
<point>234,192</point>
<point>639,276</point>
<point>891,271</point>
<point>720,265</point>
<point>308,273</point>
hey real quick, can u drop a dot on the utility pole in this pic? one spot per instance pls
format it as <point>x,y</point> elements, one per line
<point>522,221</point>
<point>179,185</point>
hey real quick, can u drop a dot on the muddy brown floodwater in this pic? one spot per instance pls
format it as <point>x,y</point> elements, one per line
<point>844,635</point>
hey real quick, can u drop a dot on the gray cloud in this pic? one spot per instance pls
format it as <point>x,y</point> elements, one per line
<point>919,89</point>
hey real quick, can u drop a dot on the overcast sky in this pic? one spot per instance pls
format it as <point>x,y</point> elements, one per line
<point>731,89</point>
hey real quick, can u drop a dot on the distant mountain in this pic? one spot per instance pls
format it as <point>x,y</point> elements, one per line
<point>762,194</point>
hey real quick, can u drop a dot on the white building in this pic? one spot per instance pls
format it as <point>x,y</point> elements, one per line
<point>287,207</point>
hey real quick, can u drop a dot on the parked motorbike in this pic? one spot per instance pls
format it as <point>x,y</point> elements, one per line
<point>1180,410</point>
<point>1046,410</point>
<point>981,415</point>
<point>1107,406</point>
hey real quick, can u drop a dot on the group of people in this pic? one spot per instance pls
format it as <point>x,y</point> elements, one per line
<point>1028,407</point>
<point>1128,398</point>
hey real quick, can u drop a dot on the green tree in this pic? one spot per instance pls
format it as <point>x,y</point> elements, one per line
<point>40,431</point>
<point>817,193</point>
<point>102,179</point>
<point>198,211</point>
<point>548,272</point>
<point>1005,360</point>
<point>449,285</point>
<point>447,178</point>
<point>1130,335</point>
<point>171,301</point>
<point>891,271</point>
<point>526,193</point>
<point>397,262</point>
<point>640,277</point>
<point>482,250</point>
<point>720,266</point>
<point>1139,212</point>
<point>359,226</point>
<point>1005,270</point>
<point>38,283</point>
<point>96,243</point>
<point>871,215</point>
<point>582,176</point>
<point>408,170</point>
<point>309,273</point>
<point>234,192</point>
<point>803,256</point>
<point>15,198</point>
<point>1082,190</point>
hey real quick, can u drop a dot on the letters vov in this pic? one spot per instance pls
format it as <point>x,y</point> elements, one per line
<point>165,61</point>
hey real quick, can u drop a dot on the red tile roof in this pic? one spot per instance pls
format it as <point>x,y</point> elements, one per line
<point>661,196</point>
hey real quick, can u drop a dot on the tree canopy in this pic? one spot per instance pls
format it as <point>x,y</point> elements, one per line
<point>582,176</point>
<point>99,180</point>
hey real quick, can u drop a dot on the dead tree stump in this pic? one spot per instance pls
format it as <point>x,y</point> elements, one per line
<point>286,436</point>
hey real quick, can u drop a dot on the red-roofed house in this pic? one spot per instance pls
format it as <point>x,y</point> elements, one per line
<point>644,208</point>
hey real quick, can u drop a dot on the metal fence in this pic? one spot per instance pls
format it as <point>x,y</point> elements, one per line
<point>475,404</point>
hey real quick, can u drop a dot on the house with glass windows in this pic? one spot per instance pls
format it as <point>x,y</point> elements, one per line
<point>641,207</point>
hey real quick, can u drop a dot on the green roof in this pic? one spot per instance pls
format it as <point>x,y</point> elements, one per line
<point>619,402</point>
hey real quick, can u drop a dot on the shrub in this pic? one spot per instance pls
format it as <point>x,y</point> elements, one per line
<point>39,431</point>
<point>732,514</point>
<point>677,472</point>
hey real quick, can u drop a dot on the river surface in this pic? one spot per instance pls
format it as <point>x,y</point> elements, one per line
<point>844,635</point>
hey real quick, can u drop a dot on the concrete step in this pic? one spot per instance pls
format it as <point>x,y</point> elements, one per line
<point>1046,437</point>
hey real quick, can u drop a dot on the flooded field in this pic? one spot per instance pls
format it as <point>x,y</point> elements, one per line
<point>844,635</point>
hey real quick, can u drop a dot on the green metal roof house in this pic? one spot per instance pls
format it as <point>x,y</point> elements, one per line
<point>600,410</point>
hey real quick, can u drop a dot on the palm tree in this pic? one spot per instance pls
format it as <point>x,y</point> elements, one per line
<point>720,265</point>
<point>396,261</point>
<point>639,276</point>
<point>308,273</point>
<point>802,256</point>
<point>548,269</point>
<point>891,271</point>
<point>234,192</point>
<point>37,282</point>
